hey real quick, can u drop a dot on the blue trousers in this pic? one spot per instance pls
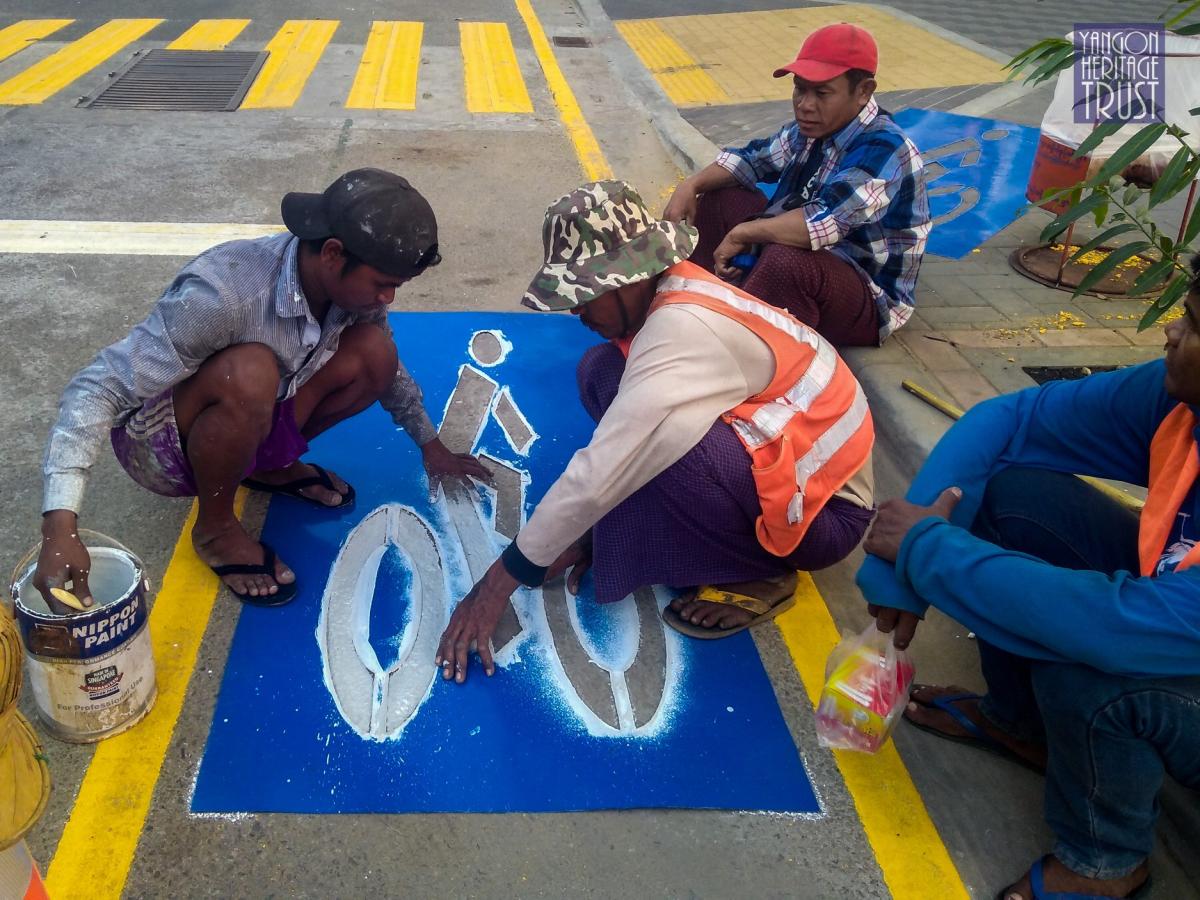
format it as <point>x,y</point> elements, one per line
<point>1109,738</point>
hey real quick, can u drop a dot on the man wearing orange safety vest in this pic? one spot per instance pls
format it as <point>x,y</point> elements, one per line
<point>1087,615</point>
<point>732,446</point>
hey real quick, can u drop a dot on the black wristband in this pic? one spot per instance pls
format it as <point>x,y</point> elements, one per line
<point>517,565</point>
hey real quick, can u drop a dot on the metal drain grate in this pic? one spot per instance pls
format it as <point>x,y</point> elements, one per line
<point>190,80</point>
<point>571,41</point>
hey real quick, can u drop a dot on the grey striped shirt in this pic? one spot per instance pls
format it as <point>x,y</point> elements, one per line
<point>236,293</point>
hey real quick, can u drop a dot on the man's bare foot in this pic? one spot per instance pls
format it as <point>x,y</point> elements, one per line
<point>709,615</point>
<point>299,470</point>
<point>921,711</point>
<point>1057,878</point>
<point>724,616</point>
<point>230,545</point>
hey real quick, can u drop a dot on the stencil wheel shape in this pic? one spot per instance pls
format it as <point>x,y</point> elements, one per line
<point>625,700</point>
<point>378,702</point>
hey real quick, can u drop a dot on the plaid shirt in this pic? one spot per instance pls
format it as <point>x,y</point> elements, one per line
<point>235,293</point>
<point>870,206</point>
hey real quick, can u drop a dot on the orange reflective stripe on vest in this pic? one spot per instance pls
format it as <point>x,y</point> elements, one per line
<point>1174,465</point>
<point>809,431</point>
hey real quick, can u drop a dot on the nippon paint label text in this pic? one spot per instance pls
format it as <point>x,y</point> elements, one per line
<point>101,632</point>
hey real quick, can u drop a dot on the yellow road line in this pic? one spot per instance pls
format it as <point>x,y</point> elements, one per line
<point>908,848</point>
<point>591,158</point>
<point>682,77</point>
<point>18,36</point>
<point>97,846</point>
<point>56,71</point>
<point>295,51</point>
<point>112,238</point>
<point>209,34</point>
<point>387,75</point>
<point>491,73</point>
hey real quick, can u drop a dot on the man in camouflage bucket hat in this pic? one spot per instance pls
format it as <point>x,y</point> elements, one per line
<point>599,238</point>
<point>664,491</point>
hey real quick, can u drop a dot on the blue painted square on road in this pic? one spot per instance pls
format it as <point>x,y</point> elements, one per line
<point>976,171</point>
<point>331,704</point>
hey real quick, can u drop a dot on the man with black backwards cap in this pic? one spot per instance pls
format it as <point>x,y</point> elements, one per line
<point>732,445</point>
<point>840,242</point>
<point>255,348</point>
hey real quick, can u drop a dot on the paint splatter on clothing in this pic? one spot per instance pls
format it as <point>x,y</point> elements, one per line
<point>151,450</point>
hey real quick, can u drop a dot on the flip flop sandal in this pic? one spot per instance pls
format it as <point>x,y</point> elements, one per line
<point>976,736</point>
<point>267,567</point>
<point>1037,884</point>
<point>779,596</point>
<point>294,488</point>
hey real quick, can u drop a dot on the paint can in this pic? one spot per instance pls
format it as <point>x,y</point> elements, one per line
<point>91,673</point>
<point>1054,168</point>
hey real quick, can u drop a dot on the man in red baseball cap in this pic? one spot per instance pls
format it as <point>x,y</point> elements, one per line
<point>840,242</point>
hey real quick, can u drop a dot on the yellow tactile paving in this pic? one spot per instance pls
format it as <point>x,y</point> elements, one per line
<point>46,78</point>
<point>387,75</point>
<point>739,51</point>
<point>209,34</point>
<point>491,73</point>
<point>294,53</point>
<point>18,36</point>
<point>682,77</point>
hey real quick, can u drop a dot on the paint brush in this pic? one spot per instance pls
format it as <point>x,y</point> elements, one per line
<point>64,596</point>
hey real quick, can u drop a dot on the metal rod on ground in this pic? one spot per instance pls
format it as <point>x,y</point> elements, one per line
<point>949,409</point>
<point>1062,260</point>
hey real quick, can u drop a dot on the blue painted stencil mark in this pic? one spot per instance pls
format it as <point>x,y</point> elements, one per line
<point>533,738</point>
<point>391,612</point>
<point>976,171</point>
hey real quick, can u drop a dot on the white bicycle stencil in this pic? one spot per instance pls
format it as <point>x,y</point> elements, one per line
<point>622,688</point>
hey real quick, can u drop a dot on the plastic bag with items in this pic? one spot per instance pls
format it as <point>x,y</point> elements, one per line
<point>866,688</point>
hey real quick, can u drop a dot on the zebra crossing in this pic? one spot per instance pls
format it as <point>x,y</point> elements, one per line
<point>387,76</point>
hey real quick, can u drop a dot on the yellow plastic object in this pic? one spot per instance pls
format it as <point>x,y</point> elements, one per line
<point>68,598</point>
<point>24,775</point>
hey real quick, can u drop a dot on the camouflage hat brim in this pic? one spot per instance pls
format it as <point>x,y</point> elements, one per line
<point>562,286</point>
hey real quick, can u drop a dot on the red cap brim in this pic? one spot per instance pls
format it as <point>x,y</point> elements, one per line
<point>811,70</point>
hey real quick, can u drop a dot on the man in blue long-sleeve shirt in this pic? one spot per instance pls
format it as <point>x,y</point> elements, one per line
<point>1088,618</point>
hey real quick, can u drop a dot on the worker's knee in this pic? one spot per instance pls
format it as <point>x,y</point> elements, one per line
<point>242,379</point>
<point>367,354</point>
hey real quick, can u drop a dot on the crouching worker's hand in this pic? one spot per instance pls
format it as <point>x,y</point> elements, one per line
<point>577,558</point>
<point>441,463</point>
<point>63,559</point>
<point>473,622</point>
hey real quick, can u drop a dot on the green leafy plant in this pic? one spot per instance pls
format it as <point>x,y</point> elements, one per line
<point>1118,205</point>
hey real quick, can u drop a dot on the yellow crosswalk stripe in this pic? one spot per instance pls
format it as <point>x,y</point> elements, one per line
<point>20,35</point>
<point>679,74</point>
<point>295,51</point>
<point>387,75</point>
<point>56,71</point>
<point>491,73</point>
<point>209,34</point>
